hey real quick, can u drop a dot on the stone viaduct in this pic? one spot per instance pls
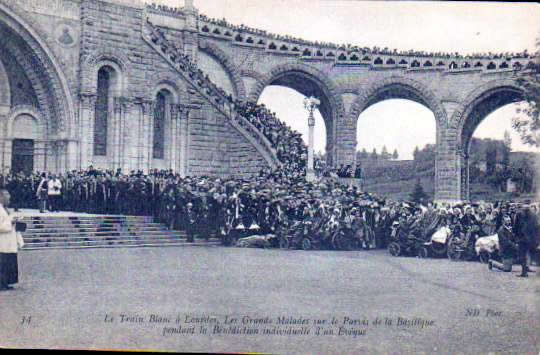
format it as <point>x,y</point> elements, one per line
<point>94,82</point>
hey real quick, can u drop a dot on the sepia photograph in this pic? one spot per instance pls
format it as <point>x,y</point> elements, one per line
<point>270,176</point>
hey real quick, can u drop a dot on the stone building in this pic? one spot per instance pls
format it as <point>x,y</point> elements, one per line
<point>105,83</point>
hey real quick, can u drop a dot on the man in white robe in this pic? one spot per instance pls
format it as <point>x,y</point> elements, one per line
<point>10,242</point>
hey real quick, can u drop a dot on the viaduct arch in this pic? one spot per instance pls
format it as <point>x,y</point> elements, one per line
<point>480,103</point>
<point>309,81</point>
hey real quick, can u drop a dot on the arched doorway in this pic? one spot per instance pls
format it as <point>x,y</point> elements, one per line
<point>36,84</point>
<point>476,111</point>
<point>25,132</point>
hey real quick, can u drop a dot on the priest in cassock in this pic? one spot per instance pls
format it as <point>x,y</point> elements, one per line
<point>10,242</point>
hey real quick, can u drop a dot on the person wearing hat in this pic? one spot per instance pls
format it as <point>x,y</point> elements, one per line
<point>507,247</point>
<point>191,222</point>
<point>526,230</point>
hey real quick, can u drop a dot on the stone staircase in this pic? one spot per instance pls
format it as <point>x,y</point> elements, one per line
<point>207,89</point>
<point>78,232</point>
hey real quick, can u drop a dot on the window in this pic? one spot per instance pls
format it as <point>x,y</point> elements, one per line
<point>159,126</point>
<point>102,111</point>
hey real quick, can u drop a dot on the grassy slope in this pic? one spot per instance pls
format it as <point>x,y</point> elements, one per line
<point>401,190</point>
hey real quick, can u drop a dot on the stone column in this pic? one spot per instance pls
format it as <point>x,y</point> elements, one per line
<point>125,136</point>
<point>449,173</point>
<point>464,163</point>
<point>183,139</point>
<point>344,141</point>
<point>115,133</point>
<point>146,129</point>
<point>40,148</point>
<point>175,113</point>
<point>86,129</point>
<point>8,143</point>
<point>448,167</point>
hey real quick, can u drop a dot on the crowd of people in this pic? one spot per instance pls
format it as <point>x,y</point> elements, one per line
<point>209,206</point>
<point>349,48</point>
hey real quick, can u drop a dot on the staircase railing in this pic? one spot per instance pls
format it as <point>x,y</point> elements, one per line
<point>206,88</point>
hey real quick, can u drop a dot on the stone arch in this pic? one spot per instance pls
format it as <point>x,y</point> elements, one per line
<point>462,119</point>
<point>479,103</point>
<point>166,80</point>
<point>40,59</point>
<point>29,111</point>
<point>5,89</point>
<point>407,89</point>
<point>229,65</point>
<point>412,90</point>
<point>91,64</point>
<point>295,76</point>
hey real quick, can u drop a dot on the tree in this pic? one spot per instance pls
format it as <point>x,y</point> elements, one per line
<point>415,153</point>
<point>507,140</point>
<point>395,155</point>
<point>374,155</point>
<point>363,155</point>
<point>384,153</point>
<point>527,123</point>
<point>491,160</point>
<point>418,194</point>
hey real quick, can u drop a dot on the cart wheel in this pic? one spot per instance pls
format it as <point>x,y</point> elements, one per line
<point>423,252</point>
<point>454,252</point>
<point>394,249</point>
<point>306,244</point>
<point>439,248</point>
<point>483,257</point>
<point>284,243</point>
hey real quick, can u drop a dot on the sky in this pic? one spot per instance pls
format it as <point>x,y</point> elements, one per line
<point>424,25</point>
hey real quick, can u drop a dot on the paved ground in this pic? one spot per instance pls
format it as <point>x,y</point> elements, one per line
<point>66,299</point>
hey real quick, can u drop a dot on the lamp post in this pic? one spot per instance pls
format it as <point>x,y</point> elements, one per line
<point>311,104</point>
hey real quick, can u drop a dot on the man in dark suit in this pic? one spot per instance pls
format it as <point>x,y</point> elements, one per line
<point>526,230</point>
<point>507,247</point>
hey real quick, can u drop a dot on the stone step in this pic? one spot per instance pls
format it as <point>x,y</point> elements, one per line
<point>61,232</point>
<point>35,239</point>
<point>146,245</point>
<point>75,229</point>
<point>84,221</point>
<point>92,241</point>
<point>100,234</point>
<point>89,217</point>
<point>96,223</point>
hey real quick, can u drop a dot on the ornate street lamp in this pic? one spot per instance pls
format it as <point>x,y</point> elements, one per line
<point>311,104</point>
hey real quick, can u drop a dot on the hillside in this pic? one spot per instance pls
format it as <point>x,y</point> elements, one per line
<point>396,179</point>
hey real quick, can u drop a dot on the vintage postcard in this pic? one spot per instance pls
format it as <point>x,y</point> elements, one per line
<point>270,176</point>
